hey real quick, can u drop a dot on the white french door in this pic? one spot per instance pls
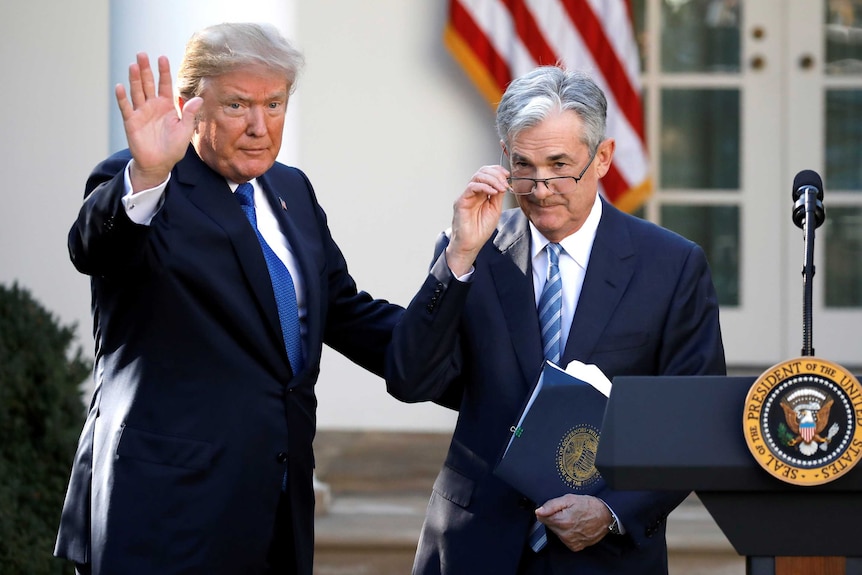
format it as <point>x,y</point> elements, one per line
<point>740,95</point>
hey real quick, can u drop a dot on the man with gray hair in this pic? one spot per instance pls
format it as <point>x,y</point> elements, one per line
<point>215,282</point>
<point>565,276</point>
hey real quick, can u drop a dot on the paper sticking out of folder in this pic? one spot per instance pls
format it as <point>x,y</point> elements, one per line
<point>590,373</point>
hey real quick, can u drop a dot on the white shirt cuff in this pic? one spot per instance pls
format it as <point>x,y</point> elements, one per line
<point>142,207</point>
<point>616,517</point>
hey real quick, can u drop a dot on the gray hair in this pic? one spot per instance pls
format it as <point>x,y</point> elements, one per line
<point>222,48</point>
<point>532,97</point>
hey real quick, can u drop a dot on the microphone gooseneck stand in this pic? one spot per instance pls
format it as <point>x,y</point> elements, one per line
<point>808,214</point>
<point>808,274</point>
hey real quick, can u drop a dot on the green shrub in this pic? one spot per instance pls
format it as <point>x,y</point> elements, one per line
<point>41,413</point>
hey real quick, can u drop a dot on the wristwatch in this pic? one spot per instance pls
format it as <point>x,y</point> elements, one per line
<point>614,527</point>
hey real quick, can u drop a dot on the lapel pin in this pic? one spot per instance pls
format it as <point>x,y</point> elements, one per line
<point>283,205</point>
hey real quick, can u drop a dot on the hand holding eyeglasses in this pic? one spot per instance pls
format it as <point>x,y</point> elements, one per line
<point>476,213</point>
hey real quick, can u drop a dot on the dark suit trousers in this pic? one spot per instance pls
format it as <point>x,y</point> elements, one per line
<point>281,559</point>
<point>533,563</point>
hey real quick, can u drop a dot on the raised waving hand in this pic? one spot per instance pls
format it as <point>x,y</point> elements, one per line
<point>157,132</point>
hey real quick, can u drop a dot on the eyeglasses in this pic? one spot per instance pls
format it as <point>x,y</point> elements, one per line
<point>556,185</point>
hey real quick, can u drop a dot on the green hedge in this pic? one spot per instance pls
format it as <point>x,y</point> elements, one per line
<point>41,414</point>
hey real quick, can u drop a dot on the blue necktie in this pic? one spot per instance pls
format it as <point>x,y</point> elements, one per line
<point>551,307</point>
<point>282,284</point>
<point>551,322</point>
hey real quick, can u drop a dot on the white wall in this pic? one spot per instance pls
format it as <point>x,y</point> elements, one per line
<point>387,126</point>
<point>391,131</point>
<point>53,130</point>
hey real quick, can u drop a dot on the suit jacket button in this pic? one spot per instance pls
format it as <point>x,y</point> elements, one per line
<point>281,457</point>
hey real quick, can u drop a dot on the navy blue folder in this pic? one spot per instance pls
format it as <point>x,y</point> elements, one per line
<point>553,447</point>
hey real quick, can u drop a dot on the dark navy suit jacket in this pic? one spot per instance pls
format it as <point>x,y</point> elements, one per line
<point>648,307</point>
<point>196,413</point>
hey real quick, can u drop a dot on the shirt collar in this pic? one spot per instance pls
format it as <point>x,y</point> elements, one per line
<point>233,185</point>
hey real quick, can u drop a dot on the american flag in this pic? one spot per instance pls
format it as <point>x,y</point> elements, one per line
<point>498,40</point>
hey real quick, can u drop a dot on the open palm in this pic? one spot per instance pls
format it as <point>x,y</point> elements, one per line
<point>157,134</point>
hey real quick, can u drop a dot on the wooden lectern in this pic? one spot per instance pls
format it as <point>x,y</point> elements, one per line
<point>685,433</point>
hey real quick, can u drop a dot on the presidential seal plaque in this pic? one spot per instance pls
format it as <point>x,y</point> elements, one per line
<point>802,421</point>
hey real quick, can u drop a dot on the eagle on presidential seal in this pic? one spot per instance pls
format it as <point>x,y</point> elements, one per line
<point>806,411</point>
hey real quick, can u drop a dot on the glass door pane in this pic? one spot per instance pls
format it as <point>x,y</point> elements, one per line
<point>700,35</point>
<point>843,282</point>
<point>844,259</point>
<point>700,145</point>
<point>843,34</point>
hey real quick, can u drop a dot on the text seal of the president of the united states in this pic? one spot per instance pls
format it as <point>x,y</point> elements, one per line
<point>802,421</point>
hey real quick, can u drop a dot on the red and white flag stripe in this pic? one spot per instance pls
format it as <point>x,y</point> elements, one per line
<point>497,40</point>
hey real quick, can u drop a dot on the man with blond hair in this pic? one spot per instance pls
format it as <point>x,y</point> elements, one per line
<point>215,282</point>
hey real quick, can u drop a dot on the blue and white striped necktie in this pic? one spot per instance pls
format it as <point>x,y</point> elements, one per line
<point>551,307</point>
<point>551,323</point>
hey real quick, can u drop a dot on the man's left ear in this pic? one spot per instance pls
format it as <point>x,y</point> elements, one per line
<point>604,156</point>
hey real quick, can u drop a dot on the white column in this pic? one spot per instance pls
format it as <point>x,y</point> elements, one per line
<point>162,27</point>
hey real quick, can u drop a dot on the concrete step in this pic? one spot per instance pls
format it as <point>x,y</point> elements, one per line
<point>362,535</point>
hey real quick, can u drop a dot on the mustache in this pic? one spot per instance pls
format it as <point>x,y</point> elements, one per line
<point>545,203</point>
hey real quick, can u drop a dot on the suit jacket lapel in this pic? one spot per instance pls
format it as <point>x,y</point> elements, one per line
<point>210,193</point>
<point>512,275</point>
<point>608,273</point>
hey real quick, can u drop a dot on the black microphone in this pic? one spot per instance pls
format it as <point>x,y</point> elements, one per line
<point>808,182</point>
